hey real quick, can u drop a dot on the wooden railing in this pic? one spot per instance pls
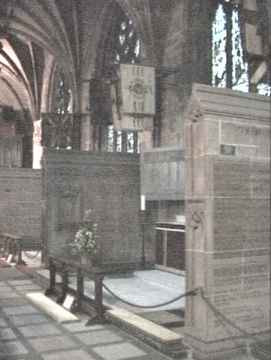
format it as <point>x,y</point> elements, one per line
<point>11,245</point>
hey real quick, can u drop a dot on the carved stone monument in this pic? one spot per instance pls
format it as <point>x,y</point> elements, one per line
<point>106,183</point>
<point>228,219</point>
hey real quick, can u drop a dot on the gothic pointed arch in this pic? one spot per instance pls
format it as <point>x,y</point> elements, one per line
<point>119,43</point>
<point>109,46</point>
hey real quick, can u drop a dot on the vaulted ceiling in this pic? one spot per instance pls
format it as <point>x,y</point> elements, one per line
<point>43,33</point>
<point>64,32</point>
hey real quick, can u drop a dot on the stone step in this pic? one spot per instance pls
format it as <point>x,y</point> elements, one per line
<point>163,339</point>
<point>56,311</point>
<point>165,318</point>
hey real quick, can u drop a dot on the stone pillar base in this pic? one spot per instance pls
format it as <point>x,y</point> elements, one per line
<point>234,348</point>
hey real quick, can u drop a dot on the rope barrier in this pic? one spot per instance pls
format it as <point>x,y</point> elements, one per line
<point>221,317</point>
<point>224,319</point>
<point>188,293</point>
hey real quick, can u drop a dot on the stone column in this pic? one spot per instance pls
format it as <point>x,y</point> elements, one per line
<point>228,218</point>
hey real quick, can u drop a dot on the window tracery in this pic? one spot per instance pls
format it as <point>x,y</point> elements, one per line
<point>125,48</point>
<point>58,125</point>
<point>126,43</point>
<point>228,64</point>
<point>264,89</point>
<point>62,96</point>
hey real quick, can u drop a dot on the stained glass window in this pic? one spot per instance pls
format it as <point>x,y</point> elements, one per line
<point>219,48</point>
<point>125,48</point>
<point>58,125</point>
<point>264,89</point>
<point>62,96</point>
<point>228,64</point>
<point>240,78</point>
<point>126,44</point>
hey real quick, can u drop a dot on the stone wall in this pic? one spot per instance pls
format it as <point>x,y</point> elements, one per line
<point>162,182</point>
<point>107,183</point>
<point>162,174</point>
<point>11,151</point>
<point>20,205</point>
<point>228,215</point>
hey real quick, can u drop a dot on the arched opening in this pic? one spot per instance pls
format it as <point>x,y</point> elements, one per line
<point>57,123</point>
<point>120,44</point>
<point>16,121</point>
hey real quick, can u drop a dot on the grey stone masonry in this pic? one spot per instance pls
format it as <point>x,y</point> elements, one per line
<point>106,183</point>
<point>228,214</point>
<point>20,206</point>
<point>162,174</point>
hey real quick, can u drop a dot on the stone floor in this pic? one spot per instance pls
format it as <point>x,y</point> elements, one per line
<point>26,333</point>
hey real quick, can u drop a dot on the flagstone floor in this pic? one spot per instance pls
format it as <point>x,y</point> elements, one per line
<point>26,333</point>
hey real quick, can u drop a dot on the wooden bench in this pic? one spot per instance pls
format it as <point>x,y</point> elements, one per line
<point>15,245</point>
<point>11,244</point>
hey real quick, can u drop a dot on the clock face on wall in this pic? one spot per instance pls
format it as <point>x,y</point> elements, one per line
<point>137,89</point>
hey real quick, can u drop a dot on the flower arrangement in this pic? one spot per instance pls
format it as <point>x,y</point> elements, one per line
<point>85,240</point>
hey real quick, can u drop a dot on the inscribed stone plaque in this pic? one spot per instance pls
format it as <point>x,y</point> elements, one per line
<point>227,149</point>
<point>229,258</point>
<point>78,181</point>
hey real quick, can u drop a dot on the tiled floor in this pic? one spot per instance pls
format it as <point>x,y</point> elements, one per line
<point>26,333</point>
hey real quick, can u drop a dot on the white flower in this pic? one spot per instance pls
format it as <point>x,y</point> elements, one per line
<point>85,239</point>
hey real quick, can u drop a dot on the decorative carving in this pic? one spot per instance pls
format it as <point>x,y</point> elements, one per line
<point>196,219</point>
<point>57,130</point>
<point>194,111</point>
<point>68,199</point>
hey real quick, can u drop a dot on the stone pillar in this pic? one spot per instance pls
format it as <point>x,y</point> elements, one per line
<point>87,127</point>
<point>227,196</point>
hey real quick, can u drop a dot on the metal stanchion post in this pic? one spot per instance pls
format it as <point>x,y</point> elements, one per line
<point>142,221</point>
